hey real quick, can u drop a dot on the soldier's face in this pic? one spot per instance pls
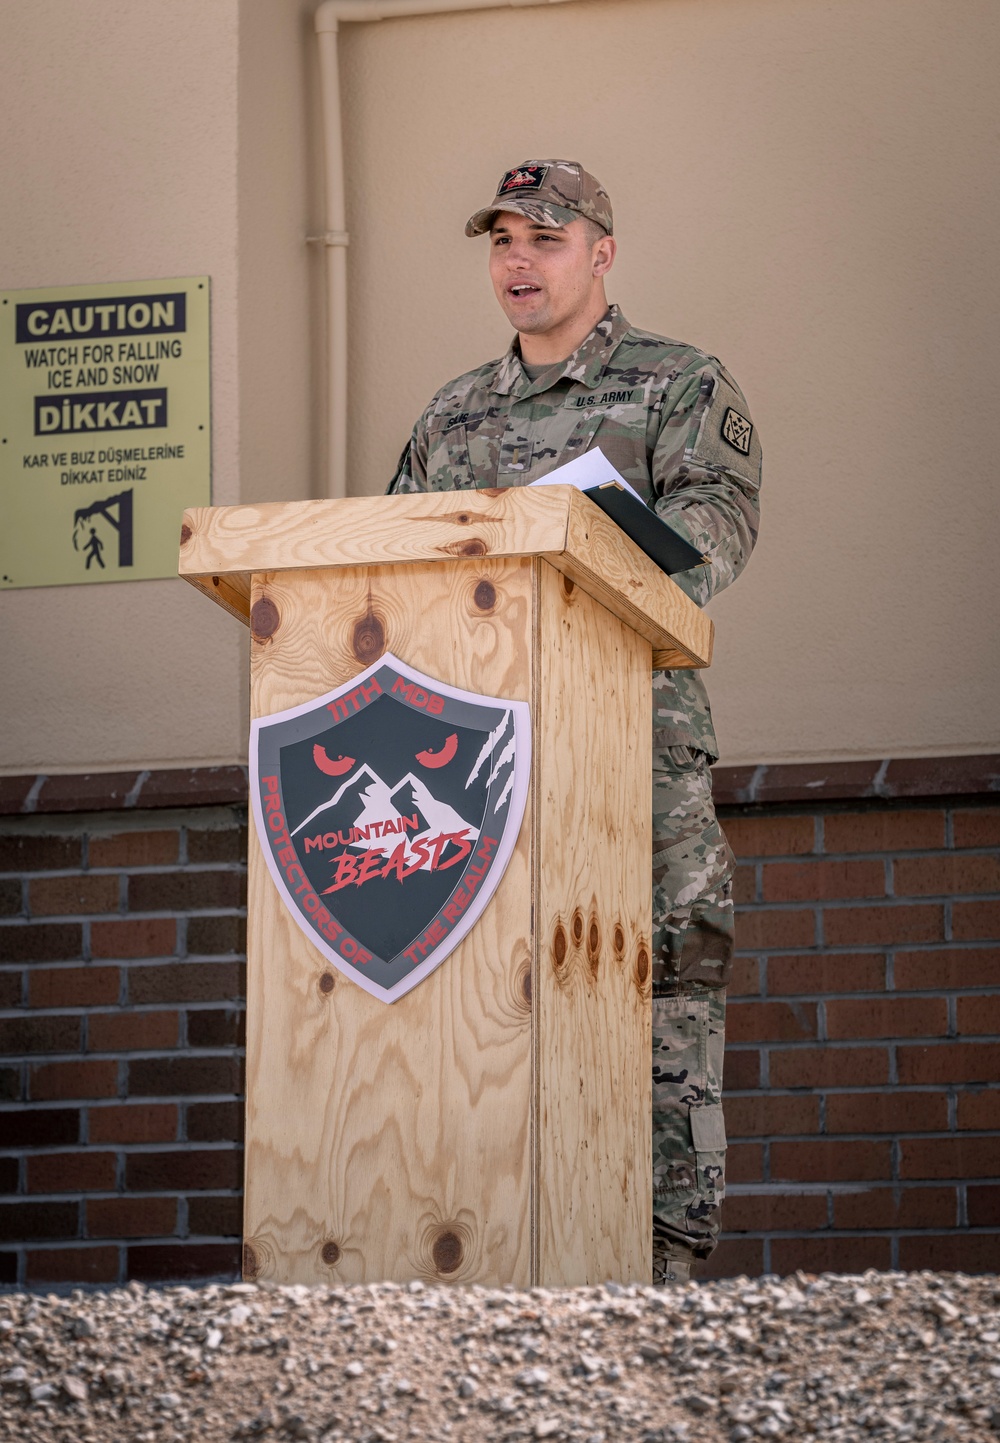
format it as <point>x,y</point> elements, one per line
<point>545,277</point>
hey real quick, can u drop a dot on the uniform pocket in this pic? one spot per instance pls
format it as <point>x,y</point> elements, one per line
<point>693,932</point>
<point>695,864</point>
<point>448,465</point>
<point>708,1135</point>
<point>679,760</point>
<point>680,1080</point>
<point>689,1132</point>
<point>708,1129</point>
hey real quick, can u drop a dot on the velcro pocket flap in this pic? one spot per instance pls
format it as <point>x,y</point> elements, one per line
<point>708,1128</point>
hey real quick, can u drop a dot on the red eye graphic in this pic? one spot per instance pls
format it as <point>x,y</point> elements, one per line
<point>332,769</point>
<point>441,758</point>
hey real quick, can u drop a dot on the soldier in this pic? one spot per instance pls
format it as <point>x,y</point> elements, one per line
<point>675,424</point>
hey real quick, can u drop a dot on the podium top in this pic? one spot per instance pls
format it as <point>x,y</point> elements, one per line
<point>223,546</point>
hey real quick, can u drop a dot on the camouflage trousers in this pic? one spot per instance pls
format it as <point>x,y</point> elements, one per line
<point>692,961</point>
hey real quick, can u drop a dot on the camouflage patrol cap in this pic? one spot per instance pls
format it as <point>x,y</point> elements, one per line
<point>551,192</point>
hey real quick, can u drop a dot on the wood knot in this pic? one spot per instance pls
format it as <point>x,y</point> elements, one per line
<point>447,1252</point>
<point>475,546</point>
<point>559,946</point>
<point>186,534</point>
<point>368,639</point>
<point>215,581</point>
<point>642,967</point>
<point>519,997</point>
<point>251,1267</point>
<point>569,585</point>
<point>330,1254</point>
<point>485,595</point>
<point>264,618</point>
<point>327,982</point>
<point>593,946</point>
<point>446,1247</point>
<point>619,940</point>
<point>463,518</point>
<point>578,926</point>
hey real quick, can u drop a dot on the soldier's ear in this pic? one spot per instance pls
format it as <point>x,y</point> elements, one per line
<point>604,254</point>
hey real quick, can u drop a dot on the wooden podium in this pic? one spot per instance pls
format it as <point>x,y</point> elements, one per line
<point>491,1126</point>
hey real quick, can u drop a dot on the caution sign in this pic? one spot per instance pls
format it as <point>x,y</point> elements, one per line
<point>105,429</point>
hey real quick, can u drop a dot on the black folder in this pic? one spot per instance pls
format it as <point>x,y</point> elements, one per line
<point>642,525</point>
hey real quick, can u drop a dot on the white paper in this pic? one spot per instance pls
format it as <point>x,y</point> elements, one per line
<point>591,469</point>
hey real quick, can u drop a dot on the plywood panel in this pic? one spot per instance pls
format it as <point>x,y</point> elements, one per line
<point>593,1187</point>
<point>362,530</point>
<point>222,546</point>
<point>602,560</point>
<point>390,1142</point>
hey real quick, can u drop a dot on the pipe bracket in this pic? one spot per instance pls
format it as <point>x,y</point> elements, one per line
<point>329,238</point>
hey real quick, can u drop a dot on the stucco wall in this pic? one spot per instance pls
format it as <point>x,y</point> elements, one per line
<point>804,188</point>
<point>280,202</point>
<point>162,139</point>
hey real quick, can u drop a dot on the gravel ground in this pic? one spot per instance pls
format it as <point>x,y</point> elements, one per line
<point>885,1355</point>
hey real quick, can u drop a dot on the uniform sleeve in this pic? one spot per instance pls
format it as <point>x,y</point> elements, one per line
<point>706,475</point>
<point>411,469</point>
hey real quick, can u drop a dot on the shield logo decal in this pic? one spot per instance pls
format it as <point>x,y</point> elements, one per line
<point>387,810</point>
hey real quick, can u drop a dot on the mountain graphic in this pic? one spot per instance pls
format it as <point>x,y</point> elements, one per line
<point>355,804</point>
<point>339,811</point>
<point>404,799</point>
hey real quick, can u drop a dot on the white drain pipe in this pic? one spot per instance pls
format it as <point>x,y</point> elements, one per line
<point>329,17</point>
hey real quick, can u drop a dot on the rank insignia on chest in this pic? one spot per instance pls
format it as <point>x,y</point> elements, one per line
<point>737,430</point>
<point>526,177</point>
<point>387,811</point>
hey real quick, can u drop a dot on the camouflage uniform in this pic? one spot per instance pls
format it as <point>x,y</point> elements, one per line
<point>674,423</point>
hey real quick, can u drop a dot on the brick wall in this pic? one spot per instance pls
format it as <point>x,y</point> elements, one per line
<point>121,1032</point>
<point>863,1036</point>
<point>863,1064</point>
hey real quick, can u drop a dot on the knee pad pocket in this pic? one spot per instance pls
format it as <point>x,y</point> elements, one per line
<point>693,917</point>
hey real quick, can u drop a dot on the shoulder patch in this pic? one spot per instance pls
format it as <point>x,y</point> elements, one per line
<point>737,430</point>
<point>526,177</point>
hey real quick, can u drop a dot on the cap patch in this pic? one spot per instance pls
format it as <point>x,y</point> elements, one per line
<point>525,177</point>
<point>737,430</point>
